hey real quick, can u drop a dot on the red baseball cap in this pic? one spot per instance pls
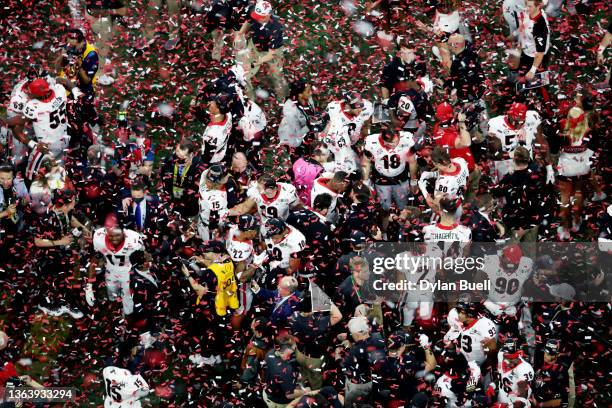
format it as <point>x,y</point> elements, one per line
<point>517,111</point>
<point>444,112</point>
<point>39,88</point>
<point>262,10</point>
<point>513,254</point>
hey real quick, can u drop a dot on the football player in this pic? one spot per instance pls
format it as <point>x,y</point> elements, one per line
<point>20,96</point>
<point>477,334</point>
<point>395,166</point>
<point>113,245</point>
<point>240,246</point>
<point>409,110</point>
<point>217,133</point>
<point>218,193</point>
<point>284,244</point>
<point>451,178</point>
<point>447,230</point>
<point>46,109</point>
<point>507,273</point>
<point>123,389</point>
<point>514,377</point>
<point>518,127</point>
<point>334,186</point>
<point>460,379</point>
<point>271,199</point>
<point>349,121</point>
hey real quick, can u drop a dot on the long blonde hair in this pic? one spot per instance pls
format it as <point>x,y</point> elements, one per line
<point>581,124</point>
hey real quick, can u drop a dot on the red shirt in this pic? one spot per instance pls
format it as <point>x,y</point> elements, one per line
<point>447,137</point>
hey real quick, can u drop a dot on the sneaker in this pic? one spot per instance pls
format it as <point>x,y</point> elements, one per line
<point>563,234</point>
<point>48,310</point>
<point>105,79</point>
<point>72,311</point>
<point>576,226</point>
<point>217,359</point>
<point>599,197</point>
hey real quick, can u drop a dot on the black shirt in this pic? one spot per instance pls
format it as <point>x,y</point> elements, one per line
<point>552,381</point>
<point>280,378</point>
<point>53,226</point>
<point>268,36</point>
<point>312,333</point>
<point>363,357</point>
<point>396,73</point>
<point>318,235</point>
<point>104,4</point>
<point>540,34</point>
<point>399,376</point>
<point>466,75</point>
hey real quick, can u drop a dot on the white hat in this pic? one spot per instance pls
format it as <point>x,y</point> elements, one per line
<point>563,291</point>
<point>262,10</point>
<point>358,324</point>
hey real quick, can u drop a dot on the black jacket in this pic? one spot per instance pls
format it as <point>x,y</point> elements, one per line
<point>466,75</point>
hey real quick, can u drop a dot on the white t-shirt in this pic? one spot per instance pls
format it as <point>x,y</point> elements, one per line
<point>49,116</point>
<point>471,337</point>
<point>275,207</point>
<point>123,389</point>
<point>215,138</point>
<point>390,162</point>
<point>118,261</point>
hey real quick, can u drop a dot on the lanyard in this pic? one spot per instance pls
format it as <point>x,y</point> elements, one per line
<point>174,177</point>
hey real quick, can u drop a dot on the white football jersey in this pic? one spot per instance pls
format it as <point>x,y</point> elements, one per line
<point>443,387</point>
<point>319,187</point>
<point>49,116</point>
<point>506,287</point>
<point>19,99</point>
<point>213,203</point>
<point>441,233</point>
<point>453,184</point>
<point>526,38</point>
<point>275,207</point>
<point>343,131</point>
<point>239,250</point>
<point>390,162</point>
<point>508,380</point>
<point>471,337</point>
<point>293,242</point>
<point>511,137</point>
<point>215,138</point>
<point>118,261</point>
<point>123,389</point>
<point>417,272</point>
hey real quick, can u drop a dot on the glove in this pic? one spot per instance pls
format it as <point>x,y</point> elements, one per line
<point>424,341</point>
<point>89,295</point>
<point>550,174</point>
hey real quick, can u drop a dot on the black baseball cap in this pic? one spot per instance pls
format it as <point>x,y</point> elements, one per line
<point>357,238</point>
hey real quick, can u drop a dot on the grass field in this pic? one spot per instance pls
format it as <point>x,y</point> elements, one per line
<point>322,47</point>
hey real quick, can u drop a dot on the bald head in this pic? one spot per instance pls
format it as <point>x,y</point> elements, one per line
<point>456,43</point>
<point>239,162</point>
